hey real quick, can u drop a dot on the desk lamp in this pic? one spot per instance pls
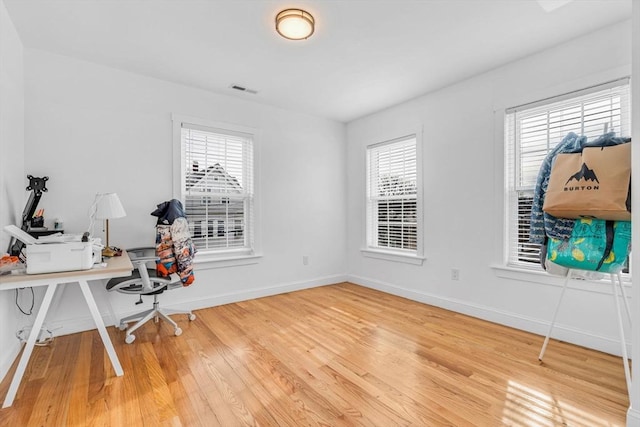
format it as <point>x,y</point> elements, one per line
<point>108,207</point>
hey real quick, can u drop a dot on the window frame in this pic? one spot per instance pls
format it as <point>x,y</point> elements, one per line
<point>512,184</point>
<point>229,256</point>
<point>410,256</point>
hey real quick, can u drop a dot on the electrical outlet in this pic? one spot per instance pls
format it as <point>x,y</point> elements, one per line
<point>455,274</point>
<point>305,260</point>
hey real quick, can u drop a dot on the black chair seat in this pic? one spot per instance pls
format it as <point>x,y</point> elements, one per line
<point>135,284</point>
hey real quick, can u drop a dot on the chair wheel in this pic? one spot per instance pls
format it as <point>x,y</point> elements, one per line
<point>122,326</point>
<point>129,339</point>
<point>178,332</point>
<point>192,316</point>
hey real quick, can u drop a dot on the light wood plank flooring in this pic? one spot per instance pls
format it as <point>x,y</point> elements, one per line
<point>339,355</point>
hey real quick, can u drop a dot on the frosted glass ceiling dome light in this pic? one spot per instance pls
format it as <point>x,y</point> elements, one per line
<point>295,24</point>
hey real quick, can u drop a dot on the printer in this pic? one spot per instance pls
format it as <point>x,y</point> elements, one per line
<point>56,253</point>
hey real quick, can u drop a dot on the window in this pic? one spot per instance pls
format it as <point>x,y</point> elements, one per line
<point>392,196</point>
<point>216,186</point>
<point>532,130</point>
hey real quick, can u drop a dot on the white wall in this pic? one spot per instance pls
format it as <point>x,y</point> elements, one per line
<point>95,129</point>
<point>463,193</point>
<point>12,174</point>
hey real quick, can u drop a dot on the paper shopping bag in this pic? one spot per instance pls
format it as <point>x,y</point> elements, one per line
<point>591,184</point>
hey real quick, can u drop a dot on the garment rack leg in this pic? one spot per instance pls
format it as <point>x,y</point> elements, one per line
<point>555,314</point>
<point>624,298</point>
<point>623,342</point>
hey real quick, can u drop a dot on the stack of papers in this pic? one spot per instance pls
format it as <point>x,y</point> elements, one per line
<point>28,239</point>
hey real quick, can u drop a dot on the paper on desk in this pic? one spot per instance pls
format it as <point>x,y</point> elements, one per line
<point>20,234</point>
<point>60,238</point>
<point>28,239</point>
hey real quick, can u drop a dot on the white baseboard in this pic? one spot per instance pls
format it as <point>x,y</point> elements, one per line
<point>216,300</point>
<point>633,417</point>
<point>8,357</point>
<point>70,326</point>
<point>514,320</point>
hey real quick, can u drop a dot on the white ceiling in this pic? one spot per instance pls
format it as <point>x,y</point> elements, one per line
<point>365,55</point>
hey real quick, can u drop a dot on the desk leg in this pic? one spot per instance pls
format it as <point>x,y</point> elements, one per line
<point>28,349</point>
<point>97,318</point>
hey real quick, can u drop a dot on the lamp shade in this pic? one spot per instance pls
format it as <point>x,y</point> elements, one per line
<point>108,206</point>
<point>295,24</point>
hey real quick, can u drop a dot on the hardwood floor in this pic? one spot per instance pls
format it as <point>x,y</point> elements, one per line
<point>338,355</point>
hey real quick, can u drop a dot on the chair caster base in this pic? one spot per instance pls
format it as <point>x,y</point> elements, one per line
<point>129,339</point>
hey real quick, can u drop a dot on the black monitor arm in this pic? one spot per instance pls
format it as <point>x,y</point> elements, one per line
<point>37,186</point>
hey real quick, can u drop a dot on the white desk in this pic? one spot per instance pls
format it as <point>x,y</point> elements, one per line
<point>116,267</point>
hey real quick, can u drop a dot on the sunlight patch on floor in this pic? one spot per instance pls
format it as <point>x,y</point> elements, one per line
<point>525,406</point>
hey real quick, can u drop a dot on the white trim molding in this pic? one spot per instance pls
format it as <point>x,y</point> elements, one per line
<point>396,256</point>
<point>514,320</point>
<point>85,323</point>
<point>633,417</point>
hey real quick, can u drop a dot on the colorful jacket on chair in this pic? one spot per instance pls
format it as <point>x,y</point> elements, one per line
<point>174,246</point>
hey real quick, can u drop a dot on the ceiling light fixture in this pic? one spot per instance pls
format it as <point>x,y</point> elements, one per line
<point>295,24</point>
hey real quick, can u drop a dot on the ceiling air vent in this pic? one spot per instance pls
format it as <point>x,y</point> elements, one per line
<point>243,89</point>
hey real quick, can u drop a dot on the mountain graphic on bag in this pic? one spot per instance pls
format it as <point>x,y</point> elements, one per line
<point>592,184</point>
<point>584,173</point>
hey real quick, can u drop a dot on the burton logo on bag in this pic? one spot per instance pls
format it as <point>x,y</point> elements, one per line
<point>584,174</point>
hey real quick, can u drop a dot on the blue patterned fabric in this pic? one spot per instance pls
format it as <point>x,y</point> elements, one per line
<point>543,224</point>
<point>595,245</point>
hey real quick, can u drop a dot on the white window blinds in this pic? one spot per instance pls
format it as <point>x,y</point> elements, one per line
<point>392,195</point>
<point>532,130</point>
<point>217,187</point>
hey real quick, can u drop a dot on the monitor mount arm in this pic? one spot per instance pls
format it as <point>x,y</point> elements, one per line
<point>37,186</point>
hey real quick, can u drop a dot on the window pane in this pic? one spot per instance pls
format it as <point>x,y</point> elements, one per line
<point>527,252</point>
<point>392,194</point>
<point>218,187</point>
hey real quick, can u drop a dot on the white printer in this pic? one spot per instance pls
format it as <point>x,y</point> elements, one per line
<point>50,254</point>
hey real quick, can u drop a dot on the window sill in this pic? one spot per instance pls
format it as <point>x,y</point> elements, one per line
<point>393,256</point>
<point>206,261</point>
<point>542,277</point>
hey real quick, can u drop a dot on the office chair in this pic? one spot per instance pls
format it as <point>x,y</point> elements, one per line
<point>145,281</point>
